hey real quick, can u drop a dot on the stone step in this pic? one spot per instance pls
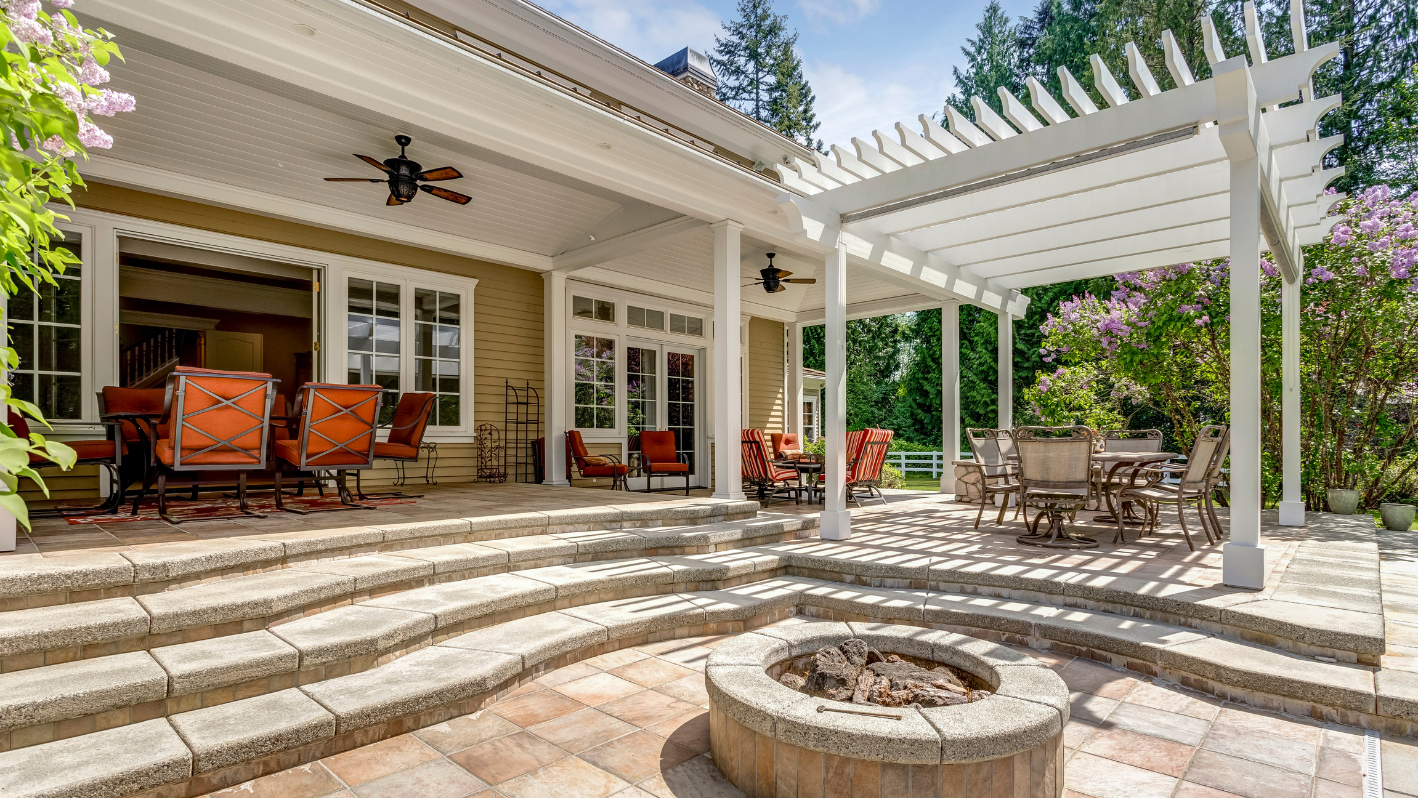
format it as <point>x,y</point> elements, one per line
<point>44,635</point>
<point>28,581</point>
<point>232,741</point>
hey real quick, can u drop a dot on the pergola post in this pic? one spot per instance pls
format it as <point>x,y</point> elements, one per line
<point>949,392</point>
<point>556,373</point>
<point>794,334</point>
<point>728,417</point>
<point>1243,561</point>
<point>836,522</point>
<point>1006,370</point>
<point>1292,502</point>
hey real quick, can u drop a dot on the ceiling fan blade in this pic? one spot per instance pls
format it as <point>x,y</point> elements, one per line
<point>443,193</point>
<point>445,173</point>
<point>393,200</point>
<point>354,180</point>
<point>801,281</point>
<point>779,289</point>
<point>374,163</point>
<point>782,273</point>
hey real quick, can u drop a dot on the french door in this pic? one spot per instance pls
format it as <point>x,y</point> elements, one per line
<point>662,392</point>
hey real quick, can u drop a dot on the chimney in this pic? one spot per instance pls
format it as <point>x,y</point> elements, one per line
<point>691,68</point>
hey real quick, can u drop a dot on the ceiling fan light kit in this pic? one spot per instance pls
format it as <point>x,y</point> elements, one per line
<point>406,178</point>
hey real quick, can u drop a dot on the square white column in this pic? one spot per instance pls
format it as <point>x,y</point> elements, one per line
<point>836,521</point>
<point>728,418</point>
<point>556,399</point>
<point>1243,561</point>
<point>794,335</point>
<point>1006,370</point>
<point>949,392</point>
<point>1292,501</point>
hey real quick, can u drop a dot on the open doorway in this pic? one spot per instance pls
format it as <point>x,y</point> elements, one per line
<point>183,306</point>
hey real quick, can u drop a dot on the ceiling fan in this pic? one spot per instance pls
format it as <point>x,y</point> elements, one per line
<point>773,277</point>
<point>406,177</point>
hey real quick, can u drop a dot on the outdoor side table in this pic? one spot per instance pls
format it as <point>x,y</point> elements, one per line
<point>1112,462</point>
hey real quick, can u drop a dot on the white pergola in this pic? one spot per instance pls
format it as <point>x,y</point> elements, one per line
<point>976,211</point>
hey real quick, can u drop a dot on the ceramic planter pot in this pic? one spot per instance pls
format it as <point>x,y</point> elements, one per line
<point>1397,517</point>
<point>1343,502</point>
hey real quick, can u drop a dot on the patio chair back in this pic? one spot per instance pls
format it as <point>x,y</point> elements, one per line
<point>410,421</point>
<point>337,427</point>
<point>658,449</point>
<point>755,456</point>
<point>218,420</point>
<point>1208,452</point>
<point>577,449</point>
<point>872,456</point>
<point>784,442</point>
<point>1055,459</point>
<point>113,399</point>
<point>991,448</point>
<point>1132,440</point>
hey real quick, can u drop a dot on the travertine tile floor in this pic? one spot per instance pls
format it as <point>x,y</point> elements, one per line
<point>633,724</point>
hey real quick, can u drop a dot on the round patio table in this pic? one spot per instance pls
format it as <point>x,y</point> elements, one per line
<point>1112,462</point>
<point>810,468</point>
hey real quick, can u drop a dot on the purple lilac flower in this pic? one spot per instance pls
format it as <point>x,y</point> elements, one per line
<point>110,102</point>
<point>91,135</point>
<point>93,74</point>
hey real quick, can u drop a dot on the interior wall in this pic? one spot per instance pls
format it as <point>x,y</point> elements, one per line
<point>767,394</point>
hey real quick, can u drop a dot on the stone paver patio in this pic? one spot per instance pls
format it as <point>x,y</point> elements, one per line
<point>633,724</point>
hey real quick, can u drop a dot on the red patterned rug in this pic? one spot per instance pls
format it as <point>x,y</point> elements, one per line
<point>226,508</point>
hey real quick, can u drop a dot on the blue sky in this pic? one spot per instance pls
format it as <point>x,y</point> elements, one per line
<point>871,63</point>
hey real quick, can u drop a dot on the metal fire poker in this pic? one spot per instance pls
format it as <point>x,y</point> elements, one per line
<point>825,708</point>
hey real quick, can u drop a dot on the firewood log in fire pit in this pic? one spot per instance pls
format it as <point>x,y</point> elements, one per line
<point>857,673</point>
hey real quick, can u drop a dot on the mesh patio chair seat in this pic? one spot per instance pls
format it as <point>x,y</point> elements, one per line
<point>660,456</point>
<point>335,429</point>
<point>406,431</point>
<point>589,466</point>
<point>1055,478</point>
<point>212,421</point>
<point>760,472</point>
<point>998,475</point>
<point>1198,478</point>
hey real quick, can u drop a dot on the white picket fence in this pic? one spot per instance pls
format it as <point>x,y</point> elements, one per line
<point>933,463</point>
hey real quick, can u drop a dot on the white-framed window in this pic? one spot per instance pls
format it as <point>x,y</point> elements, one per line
<point>644,318</point>
<point>595,309</point>
<point>686,325</point>
<point>47,333</point>
<point>593,385</point>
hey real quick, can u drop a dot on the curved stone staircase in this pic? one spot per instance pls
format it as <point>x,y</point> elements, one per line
<point>183,668</point>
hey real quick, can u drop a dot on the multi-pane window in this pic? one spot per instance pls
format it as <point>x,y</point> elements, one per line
<point>595,382</point>
<point>373,341</point>
<point>438,358</point>
<point>688,325</point>
<point>46,330</point>
<point>598,309</point>
<point>640,394</point>
<point>681,404</point>
<point>644,318</point>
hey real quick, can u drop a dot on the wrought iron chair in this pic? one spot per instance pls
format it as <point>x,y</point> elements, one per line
<point>1198,479</point>
<point>138,413</point>
<point>106,453</point>
<point>759,471</point>
<point>214,421</point>
<point>588,465</point>
<point>998,475</point>
<point>406,432</point>
<point>660,455</point>
<point>1055,478</point>
<point>335,432</point>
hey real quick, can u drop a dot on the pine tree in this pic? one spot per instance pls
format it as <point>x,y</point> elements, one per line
<point>1061,33</point>
<point>746,60</point>
<point>790,108</point>
<point>993,59</point>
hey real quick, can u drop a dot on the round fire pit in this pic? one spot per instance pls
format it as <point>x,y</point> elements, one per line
<point>769,739</point>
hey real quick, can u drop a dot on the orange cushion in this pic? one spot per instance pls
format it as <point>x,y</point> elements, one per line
<point>400,451</point>
<point>605,471</point>
<point>334,458</point>
<point>666,467</point>
<point>223,456</point>
<point>86,450</point>
<point>594,461</point>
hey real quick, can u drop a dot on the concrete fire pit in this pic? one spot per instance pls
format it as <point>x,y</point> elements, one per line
<point>769,739</point>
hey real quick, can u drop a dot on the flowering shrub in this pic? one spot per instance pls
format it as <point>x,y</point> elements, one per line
<point>1161,338</point>
<point>50,71</point>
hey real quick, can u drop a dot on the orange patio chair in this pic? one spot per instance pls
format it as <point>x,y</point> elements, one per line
<point>659,455</point>
<point>335,432</point>
<point>105,453</point>
<point>783,443</point>
<point>759,471</point>
<point>589,465</point>
<point>864,471</point>
<point>405,437</point>
<point>212,421</point>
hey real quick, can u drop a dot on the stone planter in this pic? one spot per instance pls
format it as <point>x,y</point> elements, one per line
<point>1343,502</point>
<point>1397,517</point>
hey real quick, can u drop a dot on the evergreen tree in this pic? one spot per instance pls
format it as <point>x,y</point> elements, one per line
<point>992,59</point>
<point>790,107</point>
<point>746,60</point>
<point>1061,33</point>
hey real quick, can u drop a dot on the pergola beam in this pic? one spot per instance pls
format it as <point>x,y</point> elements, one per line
<point>871,309</point>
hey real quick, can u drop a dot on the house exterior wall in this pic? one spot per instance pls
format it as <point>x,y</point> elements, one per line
<point>767,392</point>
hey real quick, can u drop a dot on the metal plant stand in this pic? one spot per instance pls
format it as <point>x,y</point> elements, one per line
<point>491,454</point>
<point>521,427</point>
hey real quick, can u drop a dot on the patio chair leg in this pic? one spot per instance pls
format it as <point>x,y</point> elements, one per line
<point>686,483</point>
<point>276,479</point>
<point>1119,536</point>
<point>162,498</point>
<point>1215,520</point>
<point>1182,519</point>
<point>984,497</point>
<point>1003,506</point>
<point>142,494</point>
<point>1211,539</point>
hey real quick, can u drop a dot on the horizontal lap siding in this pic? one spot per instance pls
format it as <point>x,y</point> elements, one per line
<point>766,392</point>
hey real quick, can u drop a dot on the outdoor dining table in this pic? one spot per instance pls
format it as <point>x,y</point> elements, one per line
<point>1113,462</point>
<point>810,468</point>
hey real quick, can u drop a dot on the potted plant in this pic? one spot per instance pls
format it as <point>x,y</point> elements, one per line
<point>1397,517</point>
<point>1343,501</point>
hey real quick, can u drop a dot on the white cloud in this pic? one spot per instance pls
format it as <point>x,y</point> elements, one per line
<point>840,12</point>
<point>648,29</point>
<point>850,105</point>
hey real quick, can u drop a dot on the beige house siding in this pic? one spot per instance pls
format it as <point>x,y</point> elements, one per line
<point>766,392</point>
<point>507,311</point>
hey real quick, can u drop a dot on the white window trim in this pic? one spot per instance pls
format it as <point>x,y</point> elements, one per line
<point>100,358</point>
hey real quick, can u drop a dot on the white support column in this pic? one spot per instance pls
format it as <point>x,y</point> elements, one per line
<point>949,392</point>
<point>1243,563</point>
<point>836,521</point>
<point>728,416</point>
<point>795,381</point>
<point>1292,503</point>
<point>557,399</point>
<point>1006,370</point>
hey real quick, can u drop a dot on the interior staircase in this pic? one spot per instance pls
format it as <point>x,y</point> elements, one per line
<point>179,669</point>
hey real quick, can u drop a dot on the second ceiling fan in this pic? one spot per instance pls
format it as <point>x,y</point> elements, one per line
<point>774,277</point>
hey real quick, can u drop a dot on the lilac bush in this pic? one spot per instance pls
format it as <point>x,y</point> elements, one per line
<point>1160,338</point>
